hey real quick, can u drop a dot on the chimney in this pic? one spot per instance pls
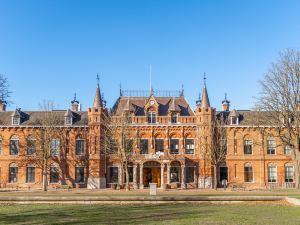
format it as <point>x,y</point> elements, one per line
<point>2,106</point>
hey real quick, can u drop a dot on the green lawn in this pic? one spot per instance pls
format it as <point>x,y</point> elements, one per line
<point>150,214</point>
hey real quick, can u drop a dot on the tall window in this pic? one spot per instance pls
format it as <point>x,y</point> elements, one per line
<point>144,146</point>
<point>174,117</point>
<point>271,147</point>
<point>55,145</point>
<point>174,174</point>
<point>79,174</point>
<point>0,146</point>
<point>30,146</point>
<point>14,146</point>
<point>289,173</point>
<point>30,174</point>
<point>287,149</point>
<point>79,147</point>
<point>247,147</point>
<point>129,146</point>
<point>272,174</point>
<point>248,172</point>
<point>174,146</point>
<point>159,145</point>
<point>13,173</point>
<point>189,146</point>
<point>113,174</point>
<point>189,174</point>
<point>54,174</point>
<point>151,117</point>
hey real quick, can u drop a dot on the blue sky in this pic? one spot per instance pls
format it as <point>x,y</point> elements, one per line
<point>50,49</point>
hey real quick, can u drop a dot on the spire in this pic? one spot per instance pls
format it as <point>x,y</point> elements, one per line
<point>225,103</point>
<point>151,87</point>
<point>205,100</point>
<point>98,99</point>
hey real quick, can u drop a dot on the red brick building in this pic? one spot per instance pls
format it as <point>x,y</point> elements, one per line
<point>169,150</point>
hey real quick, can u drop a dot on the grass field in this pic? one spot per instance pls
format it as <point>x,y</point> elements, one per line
<point>150,214</point>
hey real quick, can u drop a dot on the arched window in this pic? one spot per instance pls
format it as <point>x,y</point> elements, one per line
<point>31,141</point>
<point>289,173</point>
<point>13,173</point>
<point>54,173</point>
<point>248,147</point>
<point>30,173</point>
<point>14,145</point>
<point>248,172</point>
<point>272,173</point>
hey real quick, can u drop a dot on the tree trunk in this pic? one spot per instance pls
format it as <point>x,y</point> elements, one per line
<point>127,179</point>
<point>45,179</point>
<point>215,177</point>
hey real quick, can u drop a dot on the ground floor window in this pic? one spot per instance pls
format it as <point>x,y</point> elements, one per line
<point>79,174</point>
<point>30,174</point>
<point>289,174</point>
<point>248,173</point>
<point>272,174</point>
<point>189,174</point>
<point>113,174</point>
<point>174,174</point>
<point>13,174</point>
<point>54,174</point>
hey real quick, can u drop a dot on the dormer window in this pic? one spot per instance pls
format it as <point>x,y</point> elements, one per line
<point>151,115</point>
<point>234,120</point>
<point>174,117</point>
<point>68,120</point>
<point>16,120</point>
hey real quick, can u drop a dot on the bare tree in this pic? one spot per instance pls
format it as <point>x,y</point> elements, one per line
<point>119,141</point>
<point>279,99</point>
<point>50,123</point>
<point>4,89</point>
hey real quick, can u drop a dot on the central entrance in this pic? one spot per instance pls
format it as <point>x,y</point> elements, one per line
<point>151,173</point>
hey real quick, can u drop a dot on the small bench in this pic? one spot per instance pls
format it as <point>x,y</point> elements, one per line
<point>63,187</point>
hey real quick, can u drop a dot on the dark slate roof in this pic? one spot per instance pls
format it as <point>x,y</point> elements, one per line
<point>137,105</point>
<point>32,118</point>
<point>249,118</point>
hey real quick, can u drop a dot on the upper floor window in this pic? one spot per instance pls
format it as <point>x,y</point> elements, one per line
<point>272,174</point>
<point>174,117</point>
<point>189,146</point>
<point>30,146</point>
<point>287,149</point>
<point>144,146</point>
<point>248,147</point>
<point>159,145</point>
<point>14,145</point>
<point>55,146</point>
<point>289,173</point>
<point>174,146</point>
<point>248,173</point>
<point>79,147</point>
<point>271,147</point>
<point>129,146</point>
<point>151,117</point>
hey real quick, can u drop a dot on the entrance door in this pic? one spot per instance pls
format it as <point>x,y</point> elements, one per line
<point>151,175</point>
<point>223,173</point>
